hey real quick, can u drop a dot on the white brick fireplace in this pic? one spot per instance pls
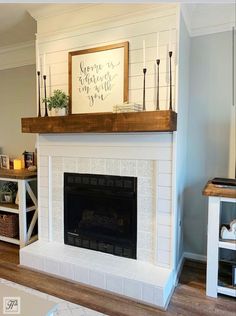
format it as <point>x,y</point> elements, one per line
<point>148,157</point>
<point>156,159</point>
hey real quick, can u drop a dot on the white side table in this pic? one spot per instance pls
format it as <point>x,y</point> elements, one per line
<point>23,178</point>
<point>217,195</point>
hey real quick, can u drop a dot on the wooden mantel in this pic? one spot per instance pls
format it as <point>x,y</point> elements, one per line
<point>149,121</point>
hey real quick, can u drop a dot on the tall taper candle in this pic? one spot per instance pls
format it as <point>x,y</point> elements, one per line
<point>37,55</point>
<point>144,88</point>
<point>158,39</point>
<point>144,54</point>
<point>45,95</point>
<point>170,104</point>
<point>170,40</point>
<point>39,98</point>
<point>158,84</point>
<point>44,64</point>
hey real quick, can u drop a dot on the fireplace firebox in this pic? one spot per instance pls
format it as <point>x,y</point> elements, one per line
<point>100,213</point>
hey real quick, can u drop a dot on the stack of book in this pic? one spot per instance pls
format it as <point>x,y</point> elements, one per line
<point>127,107</point>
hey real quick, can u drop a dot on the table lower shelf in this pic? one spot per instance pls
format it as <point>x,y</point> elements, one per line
<point>10,208</point>
<point>227,290</point>
<point>227,244</point>
<point>16,241</point>
<point>10,240</point>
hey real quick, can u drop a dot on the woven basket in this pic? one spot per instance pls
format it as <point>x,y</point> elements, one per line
<point>9,225</point>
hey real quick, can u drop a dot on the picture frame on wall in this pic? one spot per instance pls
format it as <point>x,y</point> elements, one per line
<point>4,162</point>
<point>98,78</point>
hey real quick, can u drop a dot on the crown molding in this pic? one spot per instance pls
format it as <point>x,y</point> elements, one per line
<point>210,18</point>
<point>15,47</point>
<point>201,31</point>
<point>17,64</point>
<point>49,10</point>
<point>187,12</point>
<point>17,55</point>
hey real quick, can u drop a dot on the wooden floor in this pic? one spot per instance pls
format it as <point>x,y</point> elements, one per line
<point>189,297</point>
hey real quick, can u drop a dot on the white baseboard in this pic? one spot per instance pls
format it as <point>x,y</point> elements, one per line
<point>186,255</point>
<point>194,256</point>
<point>179,270</point>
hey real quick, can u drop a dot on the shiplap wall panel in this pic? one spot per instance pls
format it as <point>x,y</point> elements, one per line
<point>135,45</point>
<point>96,16</point>
<point>135,68</point>
<point>134,32</point>
<point>135,83</point>
<point>61,68</point>
<point>162,22</point>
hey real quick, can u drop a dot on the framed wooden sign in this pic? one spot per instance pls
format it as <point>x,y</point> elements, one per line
<point>98,78</point>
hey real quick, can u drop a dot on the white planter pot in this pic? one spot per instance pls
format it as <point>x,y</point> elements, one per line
<point>57,112</point>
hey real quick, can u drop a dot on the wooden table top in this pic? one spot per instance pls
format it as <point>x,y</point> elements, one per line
<point>219,190</point>
<point>22,174</point>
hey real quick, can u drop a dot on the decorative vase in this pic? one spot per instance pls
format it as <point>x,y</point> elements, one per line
<point>57,112</point>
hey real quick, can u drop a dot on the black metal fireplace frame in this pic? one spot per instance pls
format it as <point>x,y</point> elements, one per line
<point>109,185</point>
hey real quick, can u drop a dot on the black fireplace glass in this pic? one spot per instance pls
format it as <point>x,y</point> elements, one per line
<point>100,213</point>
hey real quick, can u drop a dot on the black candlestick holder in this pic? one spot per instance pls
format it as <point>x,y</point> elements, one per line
<point>158,84</point>
<point>144,88</point>
<point>45,95</point>
<point>39,97</point>
<point>170,104</point>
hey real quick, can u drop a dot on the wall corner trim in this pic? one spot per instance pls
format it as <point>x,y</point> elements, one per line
<point>203,19</point>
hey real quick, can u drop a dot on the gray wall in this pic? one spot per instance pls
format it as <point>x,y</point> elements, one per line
<point>182,133</point>
<point>208,129</point>
<point>18,97</point>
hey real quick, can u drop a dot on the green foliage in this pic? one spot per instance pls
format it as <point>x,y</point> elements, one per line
<point>8,187</point>
<point>58,100</point>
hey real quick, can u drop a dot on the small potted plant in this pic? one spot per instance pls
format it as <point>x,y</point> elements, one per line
<point>58,103</point>
<point>8,192</point>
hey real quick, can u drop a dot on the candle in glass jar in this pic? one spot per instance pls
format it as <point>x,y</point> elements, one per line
<point>17,165</point>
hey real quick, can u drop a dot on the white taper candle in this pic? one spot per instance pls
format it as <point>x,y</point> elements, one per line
<point>44,64</point>
<point>170,39</point>
<point>37,55</point>
<point>158,38</point>
<point>144,54</point>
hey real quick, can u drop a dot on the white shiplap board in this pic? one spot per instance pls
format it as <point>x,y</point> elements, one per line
<point>143,27</point>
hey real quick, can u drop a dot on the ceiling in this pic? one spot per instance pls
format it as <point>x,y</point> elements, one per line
<point>16,24</point>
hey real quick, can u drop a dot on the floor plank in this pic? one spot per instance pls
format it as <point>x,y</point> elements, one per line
<point>189,298</point>
<point>9,253</point>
